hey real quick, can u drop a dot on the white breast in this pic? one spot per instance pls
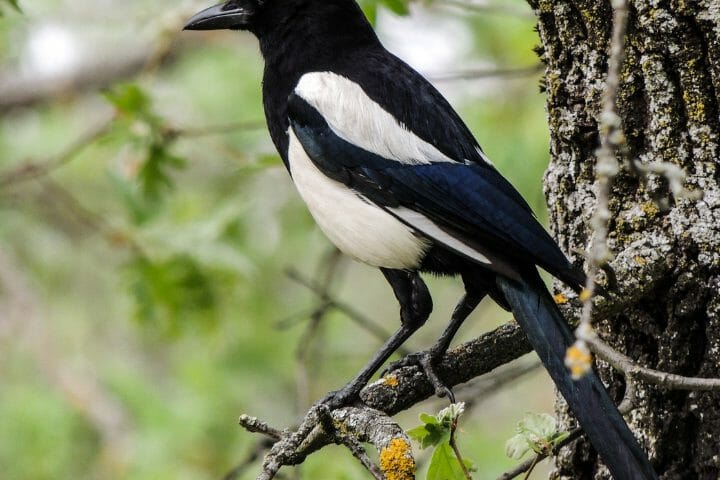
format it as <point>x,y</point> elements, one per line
<point>358,228</point>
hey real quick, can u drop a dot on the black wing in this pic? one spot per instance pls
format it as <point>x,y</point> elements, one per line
<point>471,203</point>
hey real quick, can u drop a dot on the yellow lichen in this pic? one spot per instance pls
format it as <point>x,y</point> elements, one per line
<point>579,360</point>
<point>694,106</point>
<point>561,299</point>
<point>396,460</point>
<point>391,381</point>
<point>585,295</point>
<point>650,208</point>
<point>640,260</point>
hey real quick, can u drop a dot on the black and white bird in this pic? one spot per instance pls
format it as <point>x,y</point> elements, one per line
<point>395,179</point>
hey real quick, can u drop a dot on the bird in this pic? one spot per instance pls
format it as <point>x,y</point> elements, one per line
<point>395,179</point>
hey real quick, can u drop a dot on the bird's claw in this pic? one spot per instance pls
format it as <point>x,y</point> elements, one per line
<point>426,361</point>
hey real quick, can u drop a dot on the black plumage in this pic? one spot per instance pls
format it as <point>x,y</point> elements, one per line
<point>357,126</point>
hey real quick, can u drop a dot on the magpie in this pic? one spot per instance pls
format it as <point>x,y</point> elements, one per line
<point>395,179</point>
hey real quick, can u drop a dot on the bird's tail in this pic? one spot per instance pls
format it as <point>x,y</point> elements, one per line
<point>597,414</point>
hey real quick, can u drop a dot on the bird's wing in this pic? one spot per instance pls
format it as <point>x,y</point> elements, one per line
<point>467,207</point>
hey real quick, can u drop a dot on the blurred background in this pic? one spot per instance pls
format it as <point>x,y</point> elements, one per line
<point>159,275</point>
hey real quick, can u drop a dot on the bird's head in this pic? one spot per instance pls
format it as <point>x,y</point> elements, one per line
<point>324,19</point>
<point>231,15</point>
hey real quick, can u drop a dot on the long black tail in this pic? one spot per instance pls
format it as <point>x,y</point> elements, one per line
<point>550,336</point>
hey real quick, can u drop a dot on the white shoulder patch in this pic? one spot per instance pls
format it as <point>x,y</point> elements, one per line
<point>356,118</point>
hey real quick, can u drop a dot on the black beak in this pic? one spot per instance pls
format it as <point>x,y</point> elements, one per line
<point>229,15</point>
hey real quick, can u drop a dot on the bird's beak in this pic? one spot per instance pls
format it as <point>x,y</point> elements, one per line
<point>229,15</point>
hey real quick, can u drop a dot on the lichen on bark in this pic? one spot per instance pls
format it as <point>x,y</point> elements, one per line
<point>666,250</point>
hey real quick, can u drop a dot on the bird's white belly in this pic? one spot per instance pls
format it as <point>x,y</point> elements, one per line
<point>358,228</point>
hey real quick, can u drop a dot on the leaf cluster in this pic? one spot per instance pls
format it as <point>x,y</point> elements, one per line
<point>437,431</point>
<point>537,432</point>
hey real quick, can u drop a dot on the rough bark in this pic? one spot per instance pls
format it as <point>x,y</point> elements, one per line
<point>669,103</point>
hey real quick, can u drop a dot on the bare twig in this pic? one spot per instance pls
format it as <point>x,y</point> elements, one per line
<point>252,457</point>
<point>35,169</point>
<point>329,269</point>
<point>611,139</point>
<point>478,390</point>
<point>486,73</point>
<point>361,320</point>
<point>195,132</point>
<point>456,449</point>
<point>351,443</point>
<point>255,425</point>
<point>664,380</point>
<point>321,427</point>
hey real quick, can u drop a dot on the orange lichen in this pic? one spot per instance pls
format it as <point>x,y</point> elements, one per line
<point>561,299</point>
<point>391,381</point>
<point>396,460</point>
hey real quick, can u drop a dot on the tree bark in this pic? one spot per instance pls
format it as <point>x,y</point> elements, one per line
<point>666,250</point>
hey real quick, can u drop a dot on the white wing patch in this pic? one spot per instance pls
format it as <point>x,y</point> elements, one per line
<point>429,228</point>
<point>355,117</point>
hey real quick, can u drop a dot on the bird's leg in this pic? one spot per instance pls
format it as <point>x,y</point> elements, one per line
<point>415,308</point>
<point>428,359</point>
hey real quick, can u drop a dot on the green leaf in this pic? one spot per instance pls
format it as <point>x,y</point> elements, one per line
<point>155,173</point>
<point>129,99</point>
<point>537,432</point>
<point>516,447</point>
<point>541,425</point>
<point>444,465</point>
<point>429,419</point>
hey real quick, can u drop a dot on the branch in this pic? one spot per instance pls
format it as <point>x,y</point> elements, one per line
<point>367,324</point>
<point>348,426</point>
<point>407,386</point>
<point>30,89</point>
<point>611,139</point>
<point>35,169</point>
<point>487,73</point>
<point>629,368</point>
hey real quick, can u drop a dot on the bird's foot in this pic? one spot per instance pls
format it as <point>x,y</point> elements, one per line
<point>427,361</point>
<point>344,397</point>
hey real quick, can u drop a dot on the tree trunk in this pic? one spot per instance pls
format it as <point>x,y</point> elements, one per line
<point>666,250</point>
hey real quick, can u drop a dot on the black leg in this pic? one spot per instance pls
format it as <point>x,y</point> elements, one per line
<point>415,308</point>
<point>428,359</point>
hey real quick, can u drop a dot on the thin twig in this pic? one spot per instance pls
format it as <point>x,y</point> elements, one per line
<point>486,73</point>
<point>195,132</point>
<point>255,425</point>
<point>252,457</point>
<point>35,169</point>
<point>352,444</point>
<point>361,320</point>
<point>532,467</point>
<point>458,454</point>
<point>329,269</point>
<point>664,380</point>
<point>611,139</point>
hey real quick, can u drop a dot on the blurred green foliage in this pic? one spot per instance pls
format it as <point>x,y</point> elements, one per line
<point>143,300</point>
